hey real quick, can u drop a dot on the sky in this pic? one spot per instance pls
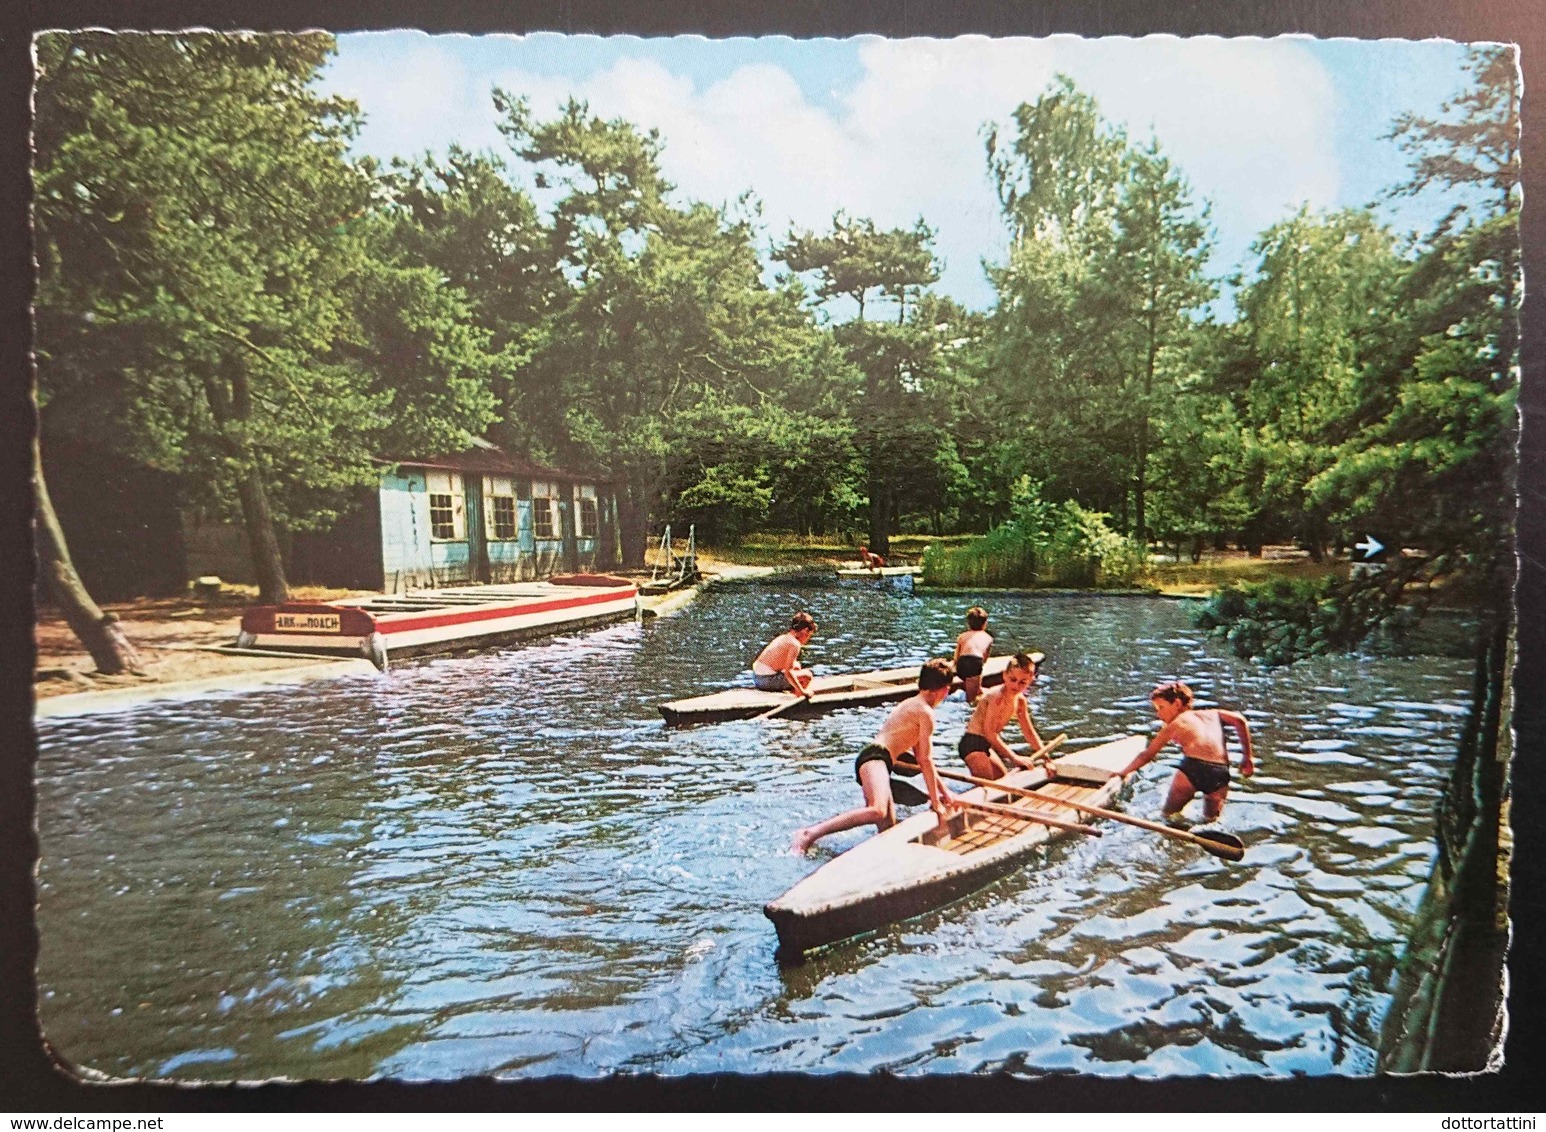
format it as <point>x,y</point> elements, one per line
<point>892,129</point>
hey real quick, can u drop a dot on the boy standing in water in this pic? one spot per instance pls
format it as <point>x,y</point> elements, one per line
<point>1204,756</point>
<point>986,754</point>
<point>777,667</point>
<point>972,649</point>
<point>908,727</point>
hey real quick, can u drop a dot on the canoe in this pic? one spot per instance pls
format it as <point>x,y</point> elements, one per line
<point>915,867</point>
<point>828,693</point>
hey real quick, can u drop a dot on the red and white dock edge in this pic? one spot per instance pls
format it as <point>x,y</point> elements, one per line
<point>440,620</point>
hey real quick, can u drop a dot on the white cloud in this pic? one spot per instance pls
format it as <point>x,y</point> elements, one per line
<point>1250,122</point>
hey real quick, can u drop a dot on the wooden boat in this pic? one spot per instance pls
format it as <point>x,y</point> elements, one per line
<point>439,620</point>
<point>915,867</point>
<point>858,570</point>
<point>828,693</point>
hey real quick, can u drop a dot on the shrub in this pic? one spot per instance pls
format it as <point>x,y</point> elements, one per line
<point>1043,544</point>
<point>1287,619</point>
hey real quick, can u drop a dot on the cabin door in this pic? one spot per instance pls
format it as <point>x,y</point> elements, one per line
<point>477,531</point>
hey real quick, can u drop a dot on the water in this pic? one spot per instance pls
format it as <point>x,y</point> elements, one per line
<point>504,864</point>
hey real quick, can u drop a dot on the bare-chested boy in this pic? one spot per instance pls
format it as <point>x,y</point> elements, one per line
<point>986,754</point>
<point>1204,756</point>
<point>909,727</point>
<point>777,667</point>
<point>972,648</point>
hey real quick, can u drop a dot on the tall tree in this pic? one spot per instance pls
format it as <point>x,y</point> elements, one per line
<point>665,309</point>
<point>208,295</point>
<point>852,261</point>
<point>1153,286</point>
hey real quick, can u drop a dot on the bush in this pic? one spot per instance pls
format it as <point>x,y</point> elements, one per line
<point>1287,619</point>
<point>1044,544</point>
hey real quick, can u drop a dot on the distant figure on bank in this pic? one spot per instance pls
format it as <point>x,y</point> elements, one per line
<point>972,648</point>
<point>1204,754</point>
<point>986,754</point>
<point>777,667</point>
<point>909,727</point>
<point>870,561</point>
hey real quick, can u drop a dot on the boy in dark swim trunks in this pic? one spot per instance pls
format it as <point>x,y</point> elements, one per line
<point>777,667</point>
<point>1204,755</point>
<point>909,727</point>
<point>972,648</point>
<point>985,753</point>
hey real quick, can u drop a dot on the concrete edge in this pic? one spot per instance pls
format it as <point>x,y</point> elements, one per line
<point>120,699</point>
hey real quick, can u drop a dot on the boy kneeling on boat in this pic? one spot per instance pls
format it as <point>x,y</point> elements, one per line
<point>777,667</point>
<point>985,753</point>
<point>909,727</point>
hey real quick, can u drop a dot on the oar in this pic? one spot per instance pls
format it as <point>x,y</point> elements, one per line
<point>1223,845</point>
<point>1025,815</point>
<point>795,698</point>
<point>904,793</point>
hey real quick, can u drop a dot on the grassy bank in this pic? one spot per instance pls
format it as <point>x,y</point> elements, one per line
<point>1200,579</point>
<point>797,550</point>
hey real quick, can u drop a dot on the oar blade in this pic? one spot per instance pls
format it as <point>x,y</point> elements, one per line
<point>1224,845</point>
<point>906,794</point>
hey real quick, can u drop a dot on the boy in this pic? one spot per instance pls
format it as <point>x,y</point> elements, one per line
<point>909,727</point>
<point>777,667</point>
<point>972,649</point>
<point>987,755</point>
<point>1204,756</point>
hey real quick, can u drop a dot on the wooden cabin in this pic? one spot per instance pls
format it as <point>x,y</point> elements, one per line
<point>477,516</point>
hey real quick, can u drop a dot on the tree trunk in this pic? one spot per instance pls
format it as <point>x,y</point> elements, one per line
<point>100,632</point>
<point>880,512</point>
<point>631,522</point>
<point>262,541</point>
<point>230,405</point>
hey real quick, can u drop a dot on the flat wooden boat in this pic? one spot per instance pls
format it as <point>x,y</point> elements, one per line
<point>857,570</point>
<point>915,867</point>
<point>828,693</point>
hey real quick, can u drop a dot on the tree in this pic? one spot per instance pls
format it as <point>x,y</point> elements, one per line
<point>1322,307</point>
<point>853,260</point>
<point>208,295</point>
<point>664,310</point>
<point>1152,285</point>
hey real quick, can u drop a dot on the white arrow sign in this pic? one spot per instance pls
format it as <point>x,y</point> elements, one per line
<point>1370,546</point>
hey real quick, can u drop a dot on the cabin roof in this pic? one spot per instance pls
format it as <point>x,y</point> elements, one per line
<point>485,459</point>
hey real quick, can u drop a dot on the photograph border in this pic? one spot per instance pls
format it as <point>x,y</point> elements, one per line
<point>29,1079</point>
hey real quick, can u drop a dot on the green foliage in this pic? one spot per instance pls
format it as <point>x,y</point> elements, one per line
<point>1044,544</point>
<point>210,300</point>
<point>1288,619</point>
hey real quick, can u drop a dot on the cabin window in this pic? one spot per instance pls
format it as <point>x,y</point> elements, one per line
<point>585,514</point>
<point>504,517</point>
<point>447,507</point>
<point>500,493</point>
<point>544,510</point>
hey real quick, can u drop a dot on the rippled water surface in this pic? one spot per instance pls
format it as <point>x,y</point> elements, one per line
<point>504,864</point>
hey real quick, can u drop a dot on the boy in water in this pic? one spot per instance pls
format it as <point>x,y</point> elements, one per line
<point>777,667</point>
<point>1204,755</point>
<point>909,727</point>
<point>986,754</point>
<point>972,649</point>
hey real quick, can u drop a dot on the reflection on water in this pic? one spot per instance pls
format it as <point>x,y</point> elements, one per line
<point>505,864</point>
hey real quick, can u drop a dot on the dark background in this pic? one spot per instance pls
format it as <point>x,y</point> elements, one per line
<point>28,1080</point>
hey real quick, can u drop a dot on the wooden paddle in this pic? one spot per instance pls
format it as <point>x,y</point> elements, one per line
<point>1224,845</point>
<point>906,794</point>
<point>795,698</point>
<point>1025,815</point>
